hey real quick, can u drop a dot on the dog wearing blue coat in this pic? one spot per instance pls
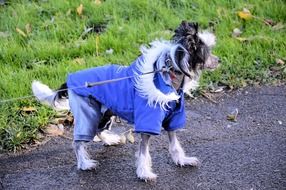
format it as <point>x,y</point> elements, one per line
<point>150,101</point>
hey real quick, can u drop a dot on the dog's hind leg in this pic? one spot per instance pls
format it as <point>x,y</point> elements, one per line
<point>144,162</point>
<point>177,152</point>
<point>87,116</point>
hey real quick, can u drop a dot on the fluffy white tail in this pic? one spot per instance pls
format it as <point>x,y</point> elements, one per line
<point>49,97</point>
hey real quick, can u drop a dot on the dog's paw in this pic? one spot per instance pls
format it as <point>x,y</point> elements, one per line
<point>146,175</point>
<point>87,164</point>
<point>109,138</point>
<point>189,161</point>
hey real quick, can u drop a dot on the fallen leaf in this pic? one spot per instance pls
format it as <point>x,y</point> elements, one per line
<point>28,28</point>
<point>279,61</point>
<point>245,14</point>
<point>97,2</point>
<point>269,22</point>
<point>68,12</point>
<point>79,61</point>
<point>28,109</point>
<point>54,130</point>
<point>251,38</point>
<point>79,10</point>
<point>208,96</point>
<point>21,32</point>
<point>233,115</point>
<point>242,39</point>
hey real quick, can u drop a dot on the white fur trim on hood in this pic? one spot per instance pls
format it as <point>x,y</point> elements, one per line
<point>144,84</point>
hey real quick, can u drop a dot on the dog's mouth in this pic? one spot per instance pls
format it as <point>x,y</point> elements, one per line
<point>176,78</point>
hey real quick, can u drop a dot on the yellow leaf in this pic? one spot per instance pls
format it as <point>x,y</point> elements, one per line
<point>97,2</point>
<point>79,61</point>
<point>28,28</point>
<point>242,39</point>
<point>29,109</point>
<point>18,134</point>
<point>21,32</point>
<point>79,10</point>
<point>233,116</point>
<point>245,14</point>
<point>68,12</point>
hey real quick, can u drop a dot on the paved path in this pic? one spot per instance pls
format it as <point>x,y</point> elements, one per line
<point>248,154</point>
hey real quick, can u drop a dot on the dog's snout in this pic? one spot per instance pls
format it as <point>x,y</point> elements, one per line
<point>218,60</point>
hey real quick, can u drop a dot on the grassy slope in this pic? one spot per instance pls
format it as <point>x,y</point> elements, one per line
<point>54,47</point>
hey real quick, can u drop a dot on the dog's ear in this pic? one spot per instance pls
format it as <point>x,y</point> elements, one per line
<point>181,60</point>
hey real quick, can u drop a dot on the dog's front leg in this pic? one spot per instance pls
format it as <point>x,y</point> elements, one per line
<point>83,159</point>
<point>144,162</point>
<point>177,152</point>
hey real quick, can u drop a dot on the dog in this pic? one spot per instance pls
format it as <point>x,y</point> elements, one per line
<point>152,98</point>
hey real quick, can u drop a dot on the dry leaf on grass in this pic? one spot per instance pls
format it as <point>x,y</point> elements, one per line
<point>28,109</point>
<point>79,10</point>
<point>245,14</point>
<point>251,38</point>
<point>97,2</point>
<point>79,61</point>
<point>279,61</point>
<point>28,28</point>
<point>19,31</point>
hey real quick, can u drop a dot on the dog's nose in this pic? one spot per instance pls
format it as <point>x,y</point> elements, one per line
<point>218,60</point>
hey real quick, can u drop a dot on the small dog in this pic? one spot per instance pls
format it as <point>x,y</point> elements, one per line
<point>150,101</point>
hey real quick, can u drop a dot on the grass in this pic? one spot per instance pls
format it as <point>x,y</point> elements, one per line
<point>52,43</point>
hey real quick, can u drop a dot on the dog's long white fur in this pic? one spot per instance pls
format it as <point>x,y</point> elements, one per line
<point>144,167</point>
<point>83,159</point>
<point>178,154</point>
<point>145,83</point>
<point>208,38</point>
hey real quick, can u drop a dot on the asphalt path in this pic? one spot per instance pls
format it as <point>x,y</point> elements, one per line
<point>247,154</point>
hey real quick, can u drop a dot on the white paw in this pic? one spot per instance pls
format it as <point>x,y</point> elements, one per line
<point>109,138</point>
<point>86,164</point>
<point>145,175</point>
<point>188,161</point>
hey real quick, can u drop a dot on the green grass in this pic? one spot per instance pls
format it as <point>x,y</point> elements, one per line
<point>54,44</point>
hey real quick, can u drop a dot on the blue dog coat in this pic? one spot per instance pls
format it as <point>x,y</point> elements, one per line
<point>123,98</point>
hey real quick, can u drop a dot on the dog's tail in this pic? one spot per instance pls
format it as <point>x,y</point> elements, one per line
<point>54,99</point>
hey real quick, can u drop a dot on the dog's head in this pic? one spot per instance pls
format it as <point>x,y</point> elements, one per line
<point>193,51</point>
<point>196,47</point>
